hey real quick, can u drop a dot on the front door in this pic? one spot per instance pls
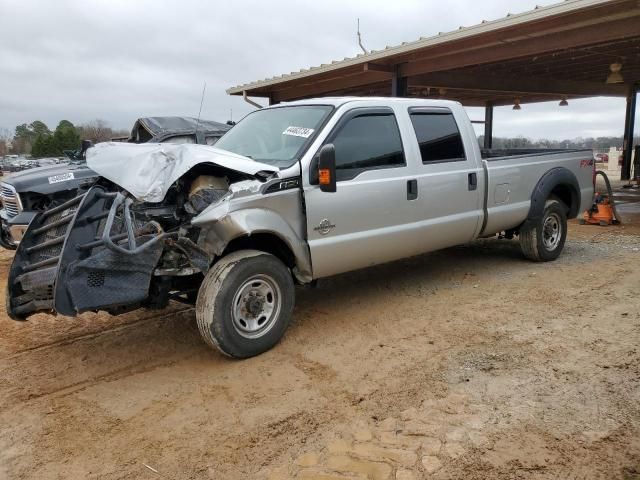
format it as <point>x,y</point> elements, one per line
<point>360,224</point>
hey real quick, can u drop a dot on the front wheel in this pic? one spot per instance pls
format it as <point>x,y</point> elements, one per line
<point>245,303</point>
<point>543,240</point>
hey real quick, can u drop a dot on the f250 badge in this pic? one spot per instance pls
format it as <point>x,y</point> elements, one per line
<point>324,227</point>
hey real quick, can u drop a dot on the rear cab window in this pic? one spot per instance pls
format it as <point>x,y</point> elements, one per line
<point>180,139</point>
<point>438,135</point>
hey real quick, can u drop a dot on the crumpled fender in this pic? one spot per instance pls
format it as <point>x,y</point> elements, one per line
<point>223,226</point>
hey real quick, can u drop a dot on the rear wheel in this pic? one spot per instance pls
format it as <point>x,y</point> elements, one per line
<point>245,303</point>
<point>543,240</point>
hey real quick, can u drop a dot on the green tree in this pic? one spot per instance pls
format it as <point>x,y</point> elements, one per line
<point>50,147</point>
<point>37,149</point>
<point>26,135</point>
<point>39,128</point>
<point>65,137</point>
<point>22,139</point>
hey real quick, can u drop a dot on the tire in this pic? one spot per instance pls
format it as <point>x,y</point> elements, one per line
<point>540,245</point>
<point>245,303</point>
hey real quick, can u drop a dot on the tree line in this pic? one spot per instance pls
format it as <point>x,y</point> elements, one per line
<point>599,144</point>
<point>37,139</point>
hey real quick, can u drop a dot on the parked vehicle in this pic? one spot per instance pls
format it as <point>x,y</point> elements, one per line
<point>24,194</point>
<point>294,193</point>
<point>602,157</point>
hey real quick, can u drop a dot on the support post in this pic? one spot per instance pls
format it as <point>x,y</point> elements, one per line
<point>398,84</point>
<point>488,125</point>
<point>627,145</point>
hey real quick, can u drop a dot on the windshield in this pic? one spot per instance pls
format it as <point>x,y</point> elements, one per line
<point>275,136</point>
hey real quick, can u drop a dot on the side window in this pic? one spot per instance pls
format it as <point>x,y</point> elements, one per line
<point>438,137</point>
<point>179,139</point>
<point>367,142</point>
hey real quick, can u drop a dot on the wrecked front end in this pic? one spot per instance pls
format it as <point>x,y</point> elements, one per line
<point>97,252</point>
<point>109,250</point>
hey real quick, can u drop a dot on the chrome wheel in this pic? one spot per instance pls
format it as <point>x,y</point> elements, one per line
<point>551,231</point>
<point>256,306</point>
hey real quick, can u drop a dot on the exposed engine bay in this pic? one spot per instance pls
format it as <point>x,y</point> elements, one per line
<point>108,249</point>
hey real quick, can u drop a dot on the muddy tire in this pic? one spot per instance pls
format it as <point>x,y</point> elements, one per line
<point>245,303</point>
<point>543,240</point>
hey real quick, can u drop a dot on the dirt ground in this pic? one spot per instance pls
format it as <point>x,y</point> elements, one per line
<point>467,363</point>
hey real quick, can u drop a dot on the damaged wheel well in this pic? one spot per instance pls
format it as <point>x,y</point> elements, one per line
<point>265,242</point>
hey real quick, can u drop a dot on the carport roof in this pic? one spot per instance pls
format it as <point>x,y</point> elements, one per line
<point>562,50</point>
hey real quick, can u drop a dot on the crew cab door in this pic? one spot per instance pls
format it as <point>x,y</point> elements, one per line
<point>362,223</point>
<point>450,177</point>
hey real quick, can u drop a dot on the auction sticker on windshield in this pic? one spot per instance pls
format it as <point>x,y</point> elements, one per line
<point>298,132</point>
<point>63,177</point>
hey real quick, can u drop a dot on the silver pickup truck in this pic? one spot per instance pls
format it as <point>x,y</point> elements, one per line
<point>293,193</point>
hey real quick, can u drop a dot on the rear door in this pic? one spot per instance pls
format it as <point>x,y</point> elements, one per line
<point>362,223</point>
<point>450,178</point>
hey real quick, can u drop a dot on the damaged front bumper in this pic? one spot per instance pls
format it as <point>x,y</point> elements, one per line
<point>87,254</point>
<point>12,229</point>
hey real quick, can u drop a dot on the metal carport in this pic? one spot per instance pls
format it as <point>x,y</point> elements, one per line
<point>559,52</point>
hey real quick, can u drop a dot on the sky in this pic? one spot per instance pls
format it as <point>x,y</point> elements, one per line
<point>118,60</point>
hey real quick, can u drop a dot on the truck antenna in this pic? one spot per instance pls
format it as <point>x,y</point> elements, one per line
<point>204,88</point>
<point>360,39</point>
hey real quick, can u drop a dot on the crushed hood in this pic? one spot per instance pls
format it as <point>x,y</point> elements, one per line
<point>147,171</point>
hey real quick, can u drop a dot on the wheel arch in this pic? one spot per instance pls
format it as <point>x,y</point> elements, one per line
<point>264,241</point>
<point>265,230</point>
<point>561,183</point>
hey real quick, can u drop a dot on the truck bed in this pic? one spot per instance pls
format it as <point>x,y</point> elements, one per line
<point>491,154</point>
<point>512,175</point>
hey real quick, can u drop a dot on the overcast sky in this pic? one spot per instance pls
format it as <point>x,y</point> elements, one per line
<point>122,59</point>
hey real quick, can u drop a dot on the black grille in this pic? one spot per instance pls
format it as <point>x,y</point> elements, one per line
<point>48,243</point>
<point>65,265</point>
<point>95,279</point>
<point>10,200</point>
<point>33,272</point>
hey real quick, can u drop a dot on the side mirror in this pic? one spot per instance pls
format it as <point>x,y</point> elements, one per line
<point>84,146</point>
<point>327,168</point>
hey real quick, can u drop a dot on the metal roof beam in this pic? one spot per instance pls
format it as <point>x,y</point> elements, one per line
<point>376,67</point>
<point>516,85</point>
<point>618,29</point>
<point>322,88</point>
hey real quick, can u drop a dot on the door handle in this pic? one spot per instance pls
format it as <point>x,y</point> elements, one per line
<point>473,181</point>
<point>412,189</point>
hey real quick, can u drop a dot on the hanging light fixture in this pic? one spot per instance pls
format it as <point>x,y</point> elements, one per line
<point>615,76</point>
<point>516,104</point>
<point>563,102</point>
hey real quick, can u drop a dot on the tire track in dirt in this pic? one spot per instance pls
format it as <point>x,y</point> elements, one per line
<point>97,357</point>
<point>115,375</point>
<point>77,338</point>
